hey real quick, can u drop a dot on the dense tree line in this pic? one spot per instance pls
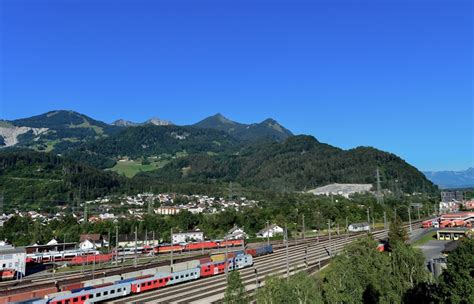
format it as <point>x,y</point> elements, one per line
<point>34,178</point>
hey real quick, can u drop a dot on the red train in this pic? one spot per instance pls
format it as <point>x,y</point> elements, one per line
<point>197,246</point>
<point>89,259</point>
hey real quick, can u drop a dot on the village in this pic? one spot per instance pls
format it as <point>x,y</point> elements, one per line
<point>114,208</point>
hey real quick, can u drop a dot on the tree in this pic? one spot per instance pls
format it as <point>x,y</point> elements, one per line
<point>408,268</point>
<point>235,292</point>
<point>300,288</point>
<point>456,284</point>
<point>360,273</point>
<point>396,233</point>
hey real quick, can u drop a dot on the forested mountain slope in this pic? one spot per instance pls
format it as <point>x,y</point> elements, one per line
<point>299,163</point>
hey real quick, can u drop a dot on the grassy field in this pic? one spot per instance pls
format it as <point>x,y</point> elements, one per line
<point>425,239</point>
<point>131,167</point>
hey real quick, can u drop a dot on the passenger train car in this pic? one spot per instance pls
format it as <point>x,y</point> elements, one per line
<point>136,282</point>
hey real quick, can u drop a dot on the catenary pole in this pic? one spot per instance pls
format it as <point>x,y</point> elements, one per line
<point>287,257</point>
<point>409,219</point>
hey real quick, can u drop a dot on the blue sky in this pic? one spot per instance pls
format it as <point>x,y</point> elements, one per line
<point>397,75</point>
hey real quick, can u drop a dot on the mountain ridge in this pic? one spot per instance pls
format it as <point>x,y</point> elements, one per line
<point>267,129</point>
<point>217,149</point>
<point>452,178</point>
<point>154,121</point>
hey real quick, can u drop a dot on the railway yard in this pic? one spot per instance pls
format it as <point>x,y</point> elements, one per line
<point>309,254</point>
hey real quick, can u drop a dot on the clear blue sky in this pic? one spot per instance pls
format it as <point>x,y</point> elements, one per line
<point>397,75</point>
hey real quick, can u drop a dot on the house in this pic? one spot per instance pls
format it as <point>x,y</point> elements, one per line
<point>358,227</point>
<point>196,210</point>
<point>92,241</point>
<point>270,231</point>
<point>236,233</point>
<point>189,236</point>
<point>167,210</point>
<point>52,242</point>
<point>128,240</point>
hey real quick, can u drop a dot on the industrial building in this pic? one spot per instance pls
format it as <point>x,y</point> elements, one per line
<point>450,234</point>
<point>12,261</point>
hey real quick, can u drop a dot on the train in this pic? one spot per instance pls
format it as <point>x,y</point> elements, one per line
<point>58,256</point>
<point>79,256</point>
<point>117,286</point>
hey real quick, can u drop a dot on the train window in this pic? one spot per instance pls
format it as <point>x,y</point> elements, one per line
<point>187,275</point>
<point>161,280</point>
<point>98,294</point>
<point>149,283</point>
<point>119,290</point>
<point>177,277</point>
<point>75,300</point>
<point>182,276</point>
<point>142,284</point>
<point>91,296</point>
<point>112,291</point>
<point>106,293</point>
<point>83,298</point>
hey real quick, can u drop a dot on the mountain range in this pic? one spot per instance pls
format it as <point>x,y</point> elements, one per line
<point>61,129</point>
<point>153,121</point>
<point>215,150</point>
<point>452,179</point>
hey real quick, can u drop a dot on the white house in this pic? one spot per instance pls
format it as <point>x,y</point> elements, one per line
<point>92,241</point>
<point>52,242</point>
<point>190,236</point>
<point>236,233</point>
<point>358,227</point>
<point>270,231</point>
<point>196,210</point>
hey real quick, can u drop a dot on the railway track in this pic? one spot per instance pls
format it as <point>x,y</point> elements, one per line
<point>304,256</point>
<point>42,280</point>
<point>296,246</point>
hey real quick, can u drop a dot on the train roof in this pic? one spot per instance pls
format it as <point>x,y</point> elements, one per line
<point>159,275</point>
<point>86,292</point>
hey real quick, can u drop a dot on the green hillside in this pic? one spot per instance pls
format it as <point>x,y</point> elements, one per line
<point>33,178</point>
<point>66,129</point>
<point>299,163</point>
<point>151,140</point>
